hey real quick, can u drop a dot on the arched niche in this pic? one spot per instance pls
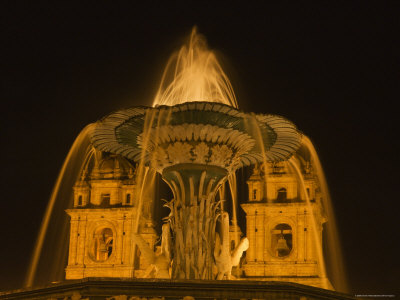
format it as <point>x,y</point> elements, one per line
<point>281,240</point>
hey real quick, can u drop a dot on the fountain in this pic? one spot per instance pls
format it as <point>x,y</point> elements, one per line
<point>196,139</point>
<point>195,146</point>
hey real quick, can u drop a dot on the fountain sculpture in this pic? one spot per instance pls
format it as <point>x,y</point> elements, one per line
<point>195,146</point>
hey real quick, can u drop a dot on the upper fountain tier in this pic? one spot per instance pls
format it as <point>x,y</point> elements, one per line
<point>202,133</point>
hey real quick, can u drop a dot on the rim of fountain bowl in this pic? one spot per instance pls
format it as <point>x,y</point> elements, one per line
<point>288,137</point>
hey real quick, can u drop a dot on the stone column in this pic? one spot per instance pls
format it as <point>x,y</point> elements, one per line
<point>260,236</point>
<point>250,221</point>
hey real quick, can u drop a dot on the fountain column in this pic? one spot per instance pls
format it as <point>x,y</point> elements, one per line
<point>193,218</point>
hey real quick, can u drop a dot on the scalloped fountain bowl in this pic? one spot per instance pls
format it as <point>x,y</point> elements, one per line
<point>196,132</point>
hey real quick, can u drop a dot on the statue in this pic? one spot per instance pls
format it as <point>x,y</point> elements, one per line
<point>224,259</point>
<point>160,260</point>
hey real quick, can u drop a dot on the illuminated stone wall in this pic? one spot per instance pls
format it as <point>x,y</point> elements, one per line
<point>102,221</point>
<point>284,230</point>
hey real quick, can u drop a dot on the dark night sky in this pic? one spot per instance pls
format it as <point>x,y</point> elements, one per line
<point>329,66</point>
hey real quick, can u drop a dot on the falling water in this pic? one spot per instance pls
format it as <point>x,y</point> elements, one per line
<point>253,126</point>
<point>141,174</point>
<point>222,196</point>
<point>74,160</point>
<point>233,188</point>
<point>338,273</point>
<point>317,238</point>
<point>194,74</point>
<point>146,175</point>
<point>139,196</point>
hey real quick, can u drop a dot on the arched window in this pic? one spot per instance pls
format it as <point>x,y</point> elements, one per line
<point>128,198</point>
<point>80,200</point>
<point>255,194</point>
<point>281,240</point>
<point>281,195</point>
<point>103,244</point>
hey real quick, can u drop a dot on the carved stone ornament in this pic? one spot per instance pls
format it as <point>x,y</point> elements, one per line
<point>192,143</point>
<point>183,152</point>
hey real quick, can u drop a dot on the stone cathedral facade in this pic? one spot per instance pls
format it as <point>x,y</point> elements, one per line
<point>102,221</point>
<point>284,225</point>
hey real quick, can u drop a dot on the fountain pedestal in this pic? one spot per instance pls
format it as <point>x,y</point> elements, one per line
<point>193,217</point>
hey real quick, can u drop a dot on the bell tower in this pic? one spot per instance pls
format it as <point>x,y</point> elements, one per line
<point>284,225</point>
<point>102,221</point>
